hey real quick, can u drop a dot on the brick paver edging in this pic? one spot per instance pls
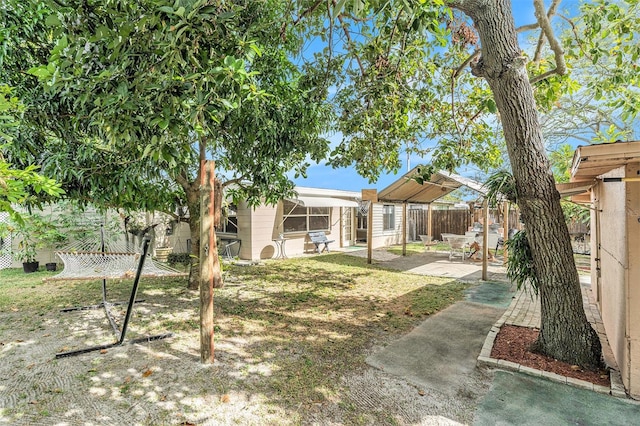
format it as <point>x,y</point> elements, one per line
<point>525,312</point>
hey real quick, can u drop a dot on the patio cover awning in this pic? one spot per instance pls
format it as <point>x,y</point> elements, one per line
<point>307,201</point>
<point>577,191</point>
<point>571,189</point>
<point>441,183</point>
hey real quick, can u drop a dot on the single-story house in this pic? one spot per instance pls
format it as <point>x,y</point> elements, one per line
<point>259,228</point>
<point>607,176</point>
<point>254,233</point>
<point>341,215</point>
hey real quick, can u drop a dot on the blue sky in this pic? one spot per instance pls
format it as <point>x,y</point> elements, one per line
<point>323,176</point>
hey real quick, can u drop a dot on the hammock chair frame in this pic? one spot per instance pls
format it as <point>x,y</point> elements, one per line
<point>120,334</point>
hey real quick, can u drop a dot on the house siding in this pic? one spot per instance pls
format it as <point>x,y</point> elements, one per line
<point>610,201</point>
<point>633,276</point>
<point>382,237</point>
<point>617,206</point>
<point>258,227</point>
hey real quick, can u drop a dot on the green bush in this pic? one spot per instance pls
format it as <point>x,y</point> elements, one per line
<point>179,258</point>
<point>520,269</point>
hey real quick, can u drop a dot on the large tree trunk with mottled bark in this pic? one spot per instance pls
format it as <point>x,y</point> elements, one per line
<point>565,333</point>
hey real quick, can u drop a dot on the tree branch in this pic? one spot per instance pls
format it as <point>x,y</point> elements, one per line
<point>550,13</point>
<point>229,182</point>
<point>307,11</point>
<point>453,106</point>
<point>393,32</point>
<point>349,41</point>
<point>542,76</point>
<point>183,180</point>
<point>545,24</point>
<point>574,30</point>
<point>471,120</point>
<point>527,27</point>
<point>466,62</point>
<point>329,44</point>
<point>304,13</point>
<point>454,76</point>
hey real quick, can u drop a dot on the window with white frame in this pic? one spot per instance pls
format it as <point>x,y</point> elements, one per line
<point>304,219</point>
<point>388,217</point>
<point>229,221</point>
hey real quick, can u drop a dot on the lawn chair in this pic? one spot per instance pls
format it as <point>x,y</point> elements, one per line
<point>456,243</point>
<point>427,241</point>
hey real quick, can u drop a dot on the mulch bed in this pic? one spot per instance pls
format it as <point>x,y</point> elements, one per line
<point>512,344</point>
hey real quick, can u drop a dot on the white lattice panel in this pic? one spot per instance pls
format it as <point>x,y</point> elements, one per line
<point>5,244</point>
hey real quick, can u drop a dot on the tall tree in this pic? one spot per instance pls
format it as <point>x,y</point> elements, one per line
<point>565,332</point>
<point>20,182</point>
<point>519,88</point>
<point>153,88</point>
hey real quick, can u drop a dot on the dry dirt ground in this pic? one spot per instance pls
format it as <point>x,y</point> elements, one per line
<point>163,382</point>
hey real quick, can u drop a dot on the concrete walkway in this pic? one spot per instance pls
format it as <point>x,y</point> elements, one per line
<point>435,264</point>
<point>443,352</point>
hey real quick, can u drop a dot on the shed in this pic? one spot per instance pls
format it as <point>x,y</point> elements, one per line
<point>611,175</point>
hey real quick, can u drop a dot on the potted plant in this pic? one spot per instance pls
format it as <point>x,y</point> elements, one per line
<point>163,250</point>
<point>26,251</point>
<point>33,232</point>
<point>163,230</point>
<point>51,237</point>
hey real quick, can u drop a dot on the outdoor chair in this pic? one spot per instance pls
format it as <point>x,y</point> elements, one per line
<point>427,241</point>
<point>500,241</point>
<point>228,245</point>
<point>457,243</point>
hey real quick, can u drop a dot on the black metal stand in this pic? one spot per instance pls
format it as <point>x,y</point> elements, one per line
<point>120,335</point>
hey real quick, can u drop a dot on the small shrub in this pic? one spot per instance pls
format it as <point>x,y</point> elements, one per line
<point>520,267</point>
<point>179,258</point>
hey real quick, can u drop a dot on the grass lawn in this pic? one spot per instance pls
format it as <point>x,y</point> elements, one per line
<point>286,331</point>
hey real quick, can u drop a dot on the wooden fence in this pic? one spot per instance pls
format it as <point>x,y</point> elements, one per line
<point>450,222</point>
<point>442,221</point>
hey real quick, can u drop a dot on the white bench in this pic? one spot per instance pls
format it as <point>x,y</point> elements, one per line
<point>318,238</point>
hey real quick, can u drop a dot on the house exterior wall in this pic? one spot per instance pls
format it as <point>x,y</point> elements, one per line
<point>259,226</point>
<point>180,240</point>
<point>266,222</point>
<point>616,275</point>
<point>382,237</point>
<point>257,229</point>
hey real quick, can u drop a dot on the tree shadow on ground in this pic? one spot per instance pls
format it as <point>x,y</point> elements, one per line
<point>285,335</point>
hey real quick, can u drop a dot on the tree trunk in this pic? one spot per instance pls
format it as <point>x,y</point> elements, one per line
<point>194,269</point>
<point>193,204</point>
<point>565,333</point>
